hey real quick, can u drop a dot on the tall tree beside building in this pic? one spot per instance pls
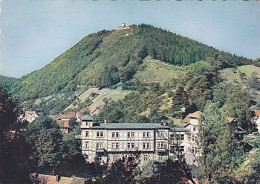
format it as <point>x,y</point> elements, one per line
<point>217,146</point>
<point>15,164</point>
<point>46,139</point>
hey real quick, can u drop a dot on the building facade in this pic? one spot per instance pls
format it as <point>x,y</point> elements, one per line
<point>108,142</point>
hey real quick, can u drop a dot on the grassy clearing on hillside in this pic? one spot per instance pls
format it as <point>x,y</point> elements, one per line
<point>231,74</point>
<point>97,101</point>
<point>157,71</point>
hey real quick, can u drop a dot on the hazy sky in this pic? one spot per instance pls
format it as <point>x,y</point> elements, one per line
<point>34,32</point>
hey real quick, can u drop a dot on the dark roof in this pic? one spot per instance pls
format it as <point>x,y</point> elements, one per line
<point>179,129</point>
<point>130,126</point>
<point>87,118</point>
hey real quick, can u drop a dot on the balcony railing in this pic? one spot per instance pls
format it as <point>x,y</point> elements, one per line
<point>78,137</point>
<point>100,149</point>
<point>162,150</point>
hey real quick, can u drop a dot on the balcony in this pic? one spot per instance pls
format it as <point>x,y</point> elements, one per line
<point>100,150</point>
<point>162,149</point>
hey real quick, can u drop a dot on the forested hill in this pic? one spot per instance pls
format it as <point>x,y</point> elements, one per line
<point>107,57</point>
<point>4,80</point>
<point>128,57</point>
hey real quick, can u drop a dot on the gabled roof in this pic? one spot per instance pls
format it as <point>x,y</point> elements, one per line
<point>87,118</point>
<point>67,116</point>
<point>196,115</point>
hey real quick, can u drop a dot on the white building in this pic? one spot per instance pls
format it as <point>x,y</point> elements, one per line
<point>192,148</point>
<point>107,142</point>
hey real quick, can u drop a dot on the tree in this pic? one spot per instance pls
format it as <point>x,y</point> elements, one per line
<point>121,171</point>
<point>180,98</point>
<point>15,163</point>
<point>217,146</point>
<point>237,106</point>
<point>46,139</point>
<point>168,173</point>
<point>253,81</point>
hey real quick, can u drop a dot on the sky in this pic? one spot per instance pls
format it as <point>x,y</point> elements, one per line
<point>34,32</point>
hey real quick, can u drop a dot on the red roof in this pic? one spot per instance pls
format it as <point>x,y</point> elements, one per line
<point>196,115</point>
<point>67,116</point>
<point>257,112</point>
<point>63,123</point>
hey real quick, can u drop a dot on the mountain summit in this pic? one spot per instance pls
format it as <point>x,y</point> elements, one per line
<point>106,58</point>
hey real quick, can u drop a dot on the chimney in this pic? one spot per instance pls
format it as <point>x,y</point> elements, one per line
<point>105,121</point>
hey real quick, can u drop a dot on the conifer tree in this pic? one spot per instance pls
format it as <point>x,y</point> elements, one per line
<point>216,144</point>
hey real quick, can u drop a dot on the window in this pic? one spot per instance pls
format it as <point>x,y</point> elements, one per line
<point>130,134</point>
<point>146,145</point>
<point>98,159</point>
<point>86,157</point>
<point>115,145</point>
<point>161,134</point>
<point>182,137</point>
<point>100,134</point>
<point>145,157</point>
<point>130,145</point>
<point>99,145</point>
<point>86,134</point>
<point>182,148</point>
<point>194,128</point>
<point>161,145</point>
<point>192,137</point>
<point>115,134</point>
<point>86,145</point>
<point>146,134</point>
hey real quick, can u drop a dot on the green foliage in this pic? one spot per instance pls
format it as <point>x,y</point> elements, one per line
<point>7,81</point>
<point>121,171</point>
<point>237,105</point>
<point>168,173</point>
<point>135,106</point>
<point>106,58</point>
<point>253,81</point>
<point>217,146</point>
<point>15,162</point>
<point>46,139</point>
